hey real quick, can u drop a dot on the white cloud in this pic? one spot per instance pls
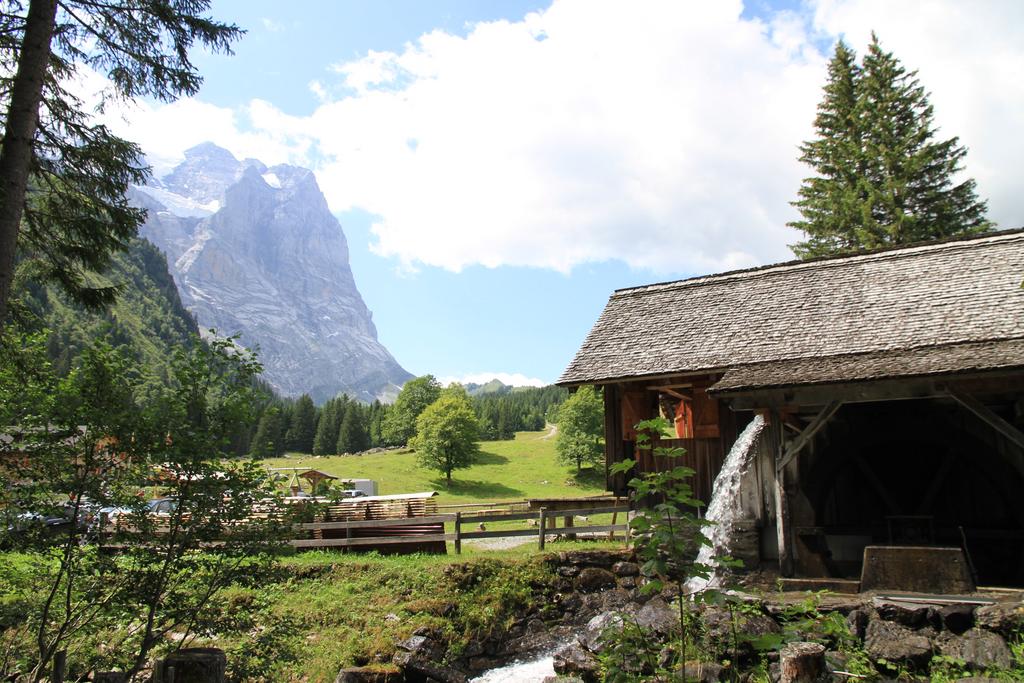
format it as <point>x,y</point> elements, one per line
<point>660,133</point>
<point>512,379</point>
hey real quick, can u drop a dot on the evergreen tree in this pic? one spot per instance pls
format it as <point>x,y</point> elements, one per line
<point>352,435</point>
<point>303,427</point>
<point>269,438</point>
<point>326,439</point>
<point>51,150</point>
<point>882,178</point>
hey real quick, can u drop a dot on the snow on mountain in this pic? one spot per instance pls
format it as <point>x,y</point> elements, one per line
<point>256,251</point>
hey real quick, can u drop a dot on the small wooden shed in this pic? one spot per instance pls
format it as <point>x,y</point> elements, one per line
<point>892,383</point>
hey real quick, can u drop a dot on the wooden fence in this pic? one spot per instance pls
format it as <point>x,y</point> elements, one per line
<point>431,528</point>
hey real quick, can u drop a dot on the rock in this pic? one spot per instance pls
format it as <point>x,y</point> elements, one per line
<point>568,571</point>
<point>802,663</point>
<point>1004,618</point>
<point>659,617</point>
<point>977,649</point>
<point>719,631</point>
<point>857,622</point>
<point>626,569</point>
<point>594,633</point>
<point>911,615</point>
<point>594,558</point>
<point>563,679</point>
<point>627,582</point>
<point>957,618</point>
<point>576,661</point>
<point>896,643</point>
<point>594,579</point>
<point>419,669</point>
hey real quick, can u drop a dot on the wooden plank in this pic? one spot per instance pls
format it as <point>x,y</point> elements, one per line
<point>365,523</point>
<point>458,533</point>
<point>993,420</point>
<point>506,533</point>
<point>797,444</point>
<point>376,540</point>
<point>510,517</point>
<point>586,529</point>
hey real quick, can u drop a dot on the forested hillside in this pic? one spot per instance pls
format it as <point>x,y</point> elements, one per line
<point>147,320</point>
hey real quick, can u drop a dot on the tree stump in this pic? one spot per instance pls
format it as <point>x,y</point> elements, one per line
<point>802,663</point>
<point>193,665</point>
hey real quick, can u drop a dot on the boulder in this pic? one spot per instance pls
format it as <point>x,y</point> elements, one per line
<point>1004,618</point>
<point>896,643</point>
<point>419,669</point>
<point>909,614</point>
<point>577,661</point>
<point>957,618</point>
<point>594,558</point>
<point>593,579</point>
<point>659,617</point>
<point>977,649</point>
<point>626,569</point>
<point>857,622</point>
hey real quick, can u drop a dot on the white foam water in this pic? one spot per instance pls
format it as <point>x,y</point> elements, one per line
<point>724,507</point>
<point>528,671</point>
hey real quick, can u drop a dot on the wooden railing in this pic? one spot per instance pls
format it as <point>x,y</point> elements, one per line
<point>423,526</point>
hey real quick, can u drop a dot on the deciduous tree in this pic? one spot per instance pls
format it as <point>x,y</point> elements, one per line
<point>400,423</point>
<point>447,433</point>
<point>580,428</point>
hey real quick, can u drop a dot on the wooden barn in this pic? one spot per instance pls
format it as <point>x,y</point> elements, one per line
<point>892,384</point>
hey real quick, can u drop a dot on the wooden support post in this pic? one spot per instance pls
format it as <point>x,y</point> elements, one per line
<point>348,536</point>
<point>60,665</point>
<point>543,527</point>
<point>458,533</point>
<point>568,525</point>
<point>782,521</point>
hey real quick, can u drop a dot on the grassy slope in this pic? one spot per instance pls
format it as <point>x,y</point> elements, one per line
<point>524,467</point>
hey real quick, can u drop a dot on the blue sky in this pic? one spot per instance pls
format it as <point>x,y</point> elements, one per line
<point>499,168</point>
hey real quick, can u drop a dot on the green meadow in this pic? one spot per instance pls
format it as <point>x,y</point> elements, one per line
<point>523,467</point>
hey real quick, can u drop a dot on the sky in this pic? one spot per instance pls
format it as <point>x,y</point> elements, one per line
<point>500,167</point>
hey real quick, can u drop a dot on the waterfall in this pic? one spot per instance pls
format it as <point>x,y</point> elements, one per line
<point>724,507</point>
<point>529,671</point>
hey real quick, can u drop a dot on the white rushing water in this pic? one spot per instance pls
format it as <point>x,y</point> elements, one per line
<point>725,504</point>
<point>529,671</point>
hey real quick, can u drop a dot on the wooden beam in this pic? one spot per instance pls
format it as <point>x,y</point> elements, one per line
<point>797,444</point>
<point>989,416</point>
<point>890,502</point>
<point>783,532</point>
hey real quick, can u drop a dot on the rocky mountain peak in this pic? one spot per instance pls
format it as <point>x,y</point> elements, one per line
<point>256,251</point>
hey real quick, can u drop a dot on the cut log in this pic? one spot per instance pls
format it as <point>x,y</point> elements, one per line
<point>802,663</point>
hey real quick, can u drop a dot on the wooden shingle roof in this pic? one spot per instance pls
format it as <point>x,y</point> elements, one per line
<point>946,307</point>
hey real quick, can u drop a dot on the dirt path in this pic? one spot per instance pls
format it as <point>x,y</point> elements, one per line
<point>552,430</point>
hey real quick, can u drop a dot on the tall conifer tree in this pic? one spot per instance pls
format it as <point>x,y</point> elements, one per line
<point>882,178</point>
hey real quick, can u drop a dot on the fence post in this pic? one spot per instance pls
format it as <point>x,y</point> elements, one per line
<point>458,533</point>
<point>60,665</point>
<point>543,524</point>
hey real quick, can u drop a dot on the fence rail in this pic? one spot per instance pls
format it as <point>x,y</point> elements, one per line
<point>430,528</point>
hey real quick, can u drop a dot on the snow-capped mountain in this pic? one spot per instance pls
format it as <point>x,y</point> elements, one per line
<point>255,251</point>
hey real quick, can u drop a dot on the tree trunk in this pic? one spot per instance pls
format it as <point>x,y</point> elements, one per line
<point>19,131</point>
<point>802,663</point>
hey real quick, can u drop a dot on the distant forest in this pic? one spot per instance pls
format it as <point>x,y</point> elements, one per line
<point>343,425</point>
<point>148,322</point>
